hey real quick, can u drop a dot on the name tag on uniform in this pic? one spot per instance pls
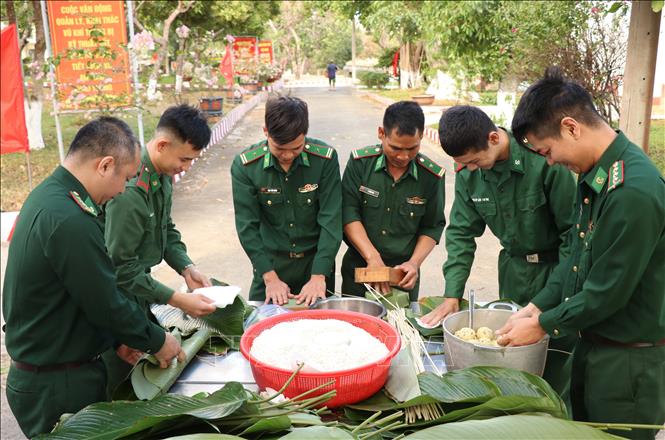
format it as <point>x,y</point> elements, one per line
<point>415,200</point>
<point>308,188</point>
<point>265,190</point>
<point>369,191</point>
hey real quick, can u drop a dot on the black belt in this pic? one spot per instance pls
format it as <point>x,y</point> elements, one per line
<point>600,340</point>
<point>53,367</point>
<point>540,257</point>
<point>295,255</point>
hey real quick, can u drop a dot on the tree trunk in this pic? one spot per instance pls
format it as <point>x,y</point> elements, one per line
<point>506,99</point>
<point>11,13</point>
<point>180,61</point>
<point>410,56</point>
<point>35,99</point>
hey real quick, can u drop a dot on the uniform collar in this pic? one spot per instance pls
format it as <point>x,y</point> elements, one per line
<point>302,159</point>
<point>148,177</point>
<point>516,154</point>
<point>76,188</point>
<point>381,164</point>
<point>596,178</point>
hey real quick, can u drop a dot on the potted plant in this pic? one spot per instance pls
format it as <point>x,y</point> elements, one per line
<point>423,99</point>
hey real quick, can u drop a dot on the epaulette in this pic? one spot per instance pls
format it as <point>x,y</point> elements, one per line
<point>459,167</point>
<point>616,175</point>
<point>319,150</point>
<point>371,151</point>
<point>430,165</point>
<point>86,206</point>
<point>143,179</point>
<point>253,154</point>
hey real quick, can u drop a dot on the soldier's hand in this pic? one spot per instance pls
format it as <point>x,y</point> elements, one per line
<point>128,354</point>
<point>194,304</point>
<point>448,306</point>
<point>522,331</point>
<point>170,350</point>
<point>377,261</point>
<point>314,289</point>
<point>410,275</point>
<point>195,279</point>
<point>277,290</point>
<point>525,312</point>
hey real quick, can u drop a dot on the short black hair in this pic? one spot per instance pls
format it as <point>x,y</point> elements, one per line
<point>286,118</point>
<point>464,129</point>
<point>186,123</point>
<point>406,117</point>
<point>105,136</point>
<point>547,102</point>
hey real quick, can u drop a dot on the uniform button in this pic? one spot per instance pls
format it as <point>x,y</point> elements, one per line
<point>566,299</point>
<point>286,179</point>
<point>365,202</point>
<point>309,200</point>
<point>265,148</point>
<point>383,232</point>
<point>388,209</point>
<point>500,190</point>
<point>574,268</point>
<point>556,332</point>
<point>269,202</point>
<point>290,225</point>
<point>411,214</point>
<point>582,234</point>
<point>293,245</point>
<point>586,200</point>
<point>306,147</point>
<point>288,201</point>
<point>393,185</point>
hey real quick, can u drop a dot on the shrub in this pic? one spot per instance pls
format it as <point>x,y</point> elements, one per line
<point>374,79</point>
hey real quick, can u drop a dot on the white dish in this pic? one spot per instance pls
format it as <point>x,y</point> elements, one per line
<point>222,295</point>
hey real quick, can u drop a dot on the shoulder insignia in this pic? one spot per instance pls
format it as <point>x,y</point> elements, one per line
<point>143,178</point>
<point>319,150</point>
<point>459,167</point>
<point>85,206</point>
<point>371,151</point>
<point>616,175</point>
<point>251,155</point>
<point>430,165</point>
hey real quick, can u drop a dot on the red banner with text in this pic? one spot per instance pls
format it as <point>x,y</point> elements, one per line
<point>13,132</point>
<point>89,40</point>
<point>265,51</point>
<point>245,54</point>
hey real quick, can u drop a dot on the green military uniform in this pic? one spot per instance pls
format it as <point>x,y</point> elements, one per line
<point>394,213</point>
<point>140,234</point>
<point>612,289</point>
<point>291,221</point>
<point>62,306</point>
<point>528,206</point>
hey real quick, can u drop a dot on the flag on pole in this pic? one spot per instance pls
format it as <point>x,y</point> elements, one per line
<point>226,66</point>
<point>13,131</point>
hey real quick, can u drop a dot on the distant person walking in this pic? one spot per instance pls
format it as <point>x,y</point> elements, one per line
<point>332,74</point>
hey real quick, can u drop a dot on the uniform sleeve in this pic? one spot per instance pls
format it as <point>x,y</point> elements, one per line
<point>329,218</point>
<point>351,206</point>
<point>465,225</point>
<point>434,219</point>
<point>127,217</point>
<point>561,189</point>
<point>619,261</point>
<point>175,253</point>
<point>550,295</point>
<point>248,218</point>
<point>87,274</point>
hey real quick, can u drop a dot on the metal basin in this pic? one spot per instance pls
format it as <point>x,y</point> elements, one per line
<point>461,354</point>
<point>360,305</point>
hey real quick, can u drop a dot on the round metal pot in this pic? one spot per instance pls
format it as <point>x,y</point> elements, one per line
<point>360,305</point>
<point>461,354</point>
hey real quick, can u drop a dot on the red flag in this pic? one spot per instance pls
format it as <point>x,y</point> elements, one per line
<point>13,132</point>
<point>226,67</point>
<point>395,63</point>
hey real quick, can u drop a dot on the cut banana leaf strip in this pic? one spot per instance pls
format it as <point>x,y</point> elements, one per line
<point>402,381</point>
<point>396,297</point>
<point>318,433</point>
<point>205,437</point>
<point>149,381</point>
<point>111,420</point>
<point>512,428</point>
<point>270,424</point>
<point>454,388</point>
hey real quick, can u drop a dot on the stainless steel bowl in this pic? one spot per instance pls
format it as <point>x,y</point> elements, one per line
<point>360,305</point>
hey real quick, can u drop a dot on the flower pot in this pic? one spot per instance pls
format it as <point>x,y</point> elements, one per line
<point>423,99</point>
<point>212,106</point>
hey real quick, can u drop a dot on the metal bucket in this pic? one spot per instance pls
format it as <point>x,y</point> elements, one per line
<point>461,354</point>
<point>360,305</point>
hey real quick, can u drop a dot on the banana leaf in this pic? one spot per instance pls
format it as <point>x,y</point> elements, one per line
<point>205,437</point>
<point>111,420</point>
<point>396,297</point>
<point>512,428</point>
<point>318,433</point>
<point>149,381</point>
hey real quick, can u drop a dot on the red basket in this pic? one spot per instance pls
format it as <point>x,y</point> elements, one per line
<point>351,385</point>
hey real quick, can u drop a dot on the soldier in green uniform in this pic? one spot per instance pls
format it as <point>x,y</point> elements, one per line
<point>526,204</point>
<point>60,300</point>
<point>140,232</point>
<point>611,289</point>
<point>393,202</point>
<point>288,203</point>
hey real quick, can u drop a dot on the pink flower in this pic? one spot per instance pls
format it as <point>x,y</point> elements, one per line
<point>230,38</point>
<point>595,10</point>
<point>182,31</point>
<point>513,30</point>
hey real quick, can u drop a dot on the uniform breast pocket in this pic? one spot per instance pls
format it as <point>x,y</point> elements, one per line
<point>308,200</point>
<point>487,210</point>
<point>272,206</point>
<point>410,215</point>
<point>530,216</point>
